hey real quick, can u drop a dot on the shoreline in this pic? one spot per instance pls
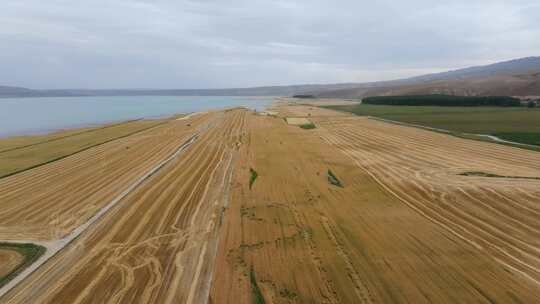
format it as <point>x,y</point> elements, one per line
<point>82,126</point>
<point>25,117</point>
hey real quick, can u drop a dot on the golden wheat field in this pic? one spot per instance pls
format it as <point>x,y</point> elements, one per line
<point>233,207</point>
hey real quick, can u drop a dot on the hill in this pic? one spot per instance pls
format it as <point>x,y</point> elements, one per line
<point>516,66</point>
<point>13,91</point>
<point>256,91</point>
<point>517,77</point>
<point>514,78</point>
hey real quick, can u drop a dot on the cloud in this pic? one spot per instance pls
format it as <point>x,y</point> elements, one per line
<point>235,43</point>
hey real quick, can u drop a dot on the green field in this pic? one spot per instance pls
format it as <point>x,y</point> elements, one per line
<point>514,124</point>
<point>443,101</point>
<point>30,252</point>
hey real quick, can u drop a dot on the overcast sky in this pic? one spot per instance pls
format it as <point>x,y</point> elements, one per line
<point>234,43</point>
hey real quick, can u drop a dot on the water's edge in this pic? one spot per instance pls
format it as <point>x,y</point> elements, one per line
<point>41,116</point>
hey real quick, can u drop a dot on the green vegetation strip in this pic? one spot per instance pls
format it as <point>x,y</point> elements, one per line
<point>332,179</point>
<point>257,294</point>
<point>484,174</point>
<point>308,126</point>
<point>31,253</point>
<point>81,150</point>
<point>443,100</point>
<point>520,125</point>
<point>521,137</point>
<point>252,177</point>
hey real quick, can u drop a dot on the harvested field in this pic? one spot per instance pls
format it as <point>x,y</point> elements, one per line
<point>187,117</point>
<point>308,111</point>
<point>333,102</point>
<point>50,201</point>
<point>422,168</point>
<point>22,153</point>
<point>319,101</point>
<point>158,244</point>
<point>297,121</point>
<point>259,211</point>
<point>9,260</point>
<point>307,241</point>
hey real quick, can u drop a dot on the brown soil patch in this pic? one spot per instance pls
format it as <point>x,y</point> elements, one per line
<point>9,260</point>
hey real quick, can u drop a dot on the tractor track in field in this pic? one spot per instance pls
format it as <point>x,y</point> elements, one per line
<point>55,246</point>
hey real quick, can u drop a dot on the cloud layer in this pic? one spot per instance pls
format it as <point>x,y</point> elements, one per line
<point>234,43</point>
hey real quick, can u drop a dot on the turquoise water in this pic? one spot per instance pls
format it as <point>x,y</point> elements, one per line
<point>22,116</point>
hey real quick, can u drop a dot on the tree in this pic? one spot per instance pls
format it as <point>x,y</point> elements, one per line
<point>531,104</point>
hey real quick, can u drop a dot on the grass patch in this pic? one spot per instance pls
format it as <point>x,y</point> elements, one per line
<point>332,179</point>
<point>520,124</point>
<point>31,253</point>
<point>529,138</point>
<point>289,294</point>
<point>252,177</point>
<point>257,294</point>
<point>484,174</point>
<point>308,126</point>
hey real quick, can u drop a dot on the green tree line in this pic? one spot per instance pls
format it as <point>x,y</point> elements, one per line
<point>444,100</point>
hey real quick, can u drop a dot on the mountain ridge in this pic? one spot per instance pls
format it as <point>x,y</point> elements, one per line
<point>503,75</point>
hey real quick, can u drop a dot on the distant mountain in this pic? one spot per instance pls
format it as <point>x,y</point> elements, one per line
<point>13,91</point>
<point>516,66</point>
<point>527,84</point>
<point>256,91</point>
<point>517,77</point>
<point>520,77</point>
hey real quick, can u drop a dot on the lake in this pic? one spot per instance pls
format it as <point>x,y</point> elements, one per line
<point>24,116</point>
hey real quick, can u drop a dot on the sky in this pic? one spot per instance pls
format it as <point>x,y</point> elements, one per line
<point>234,43</point>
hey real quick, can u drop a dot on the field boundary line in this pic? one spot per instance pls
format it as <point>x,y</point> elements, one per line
<point>72,135</point>
<point>82,150</point>
<point>227,180</point>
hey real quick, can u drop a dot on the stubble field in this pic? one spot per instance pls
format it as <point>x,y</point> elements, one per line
<point>259,211</point>
<point>296,238</point>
